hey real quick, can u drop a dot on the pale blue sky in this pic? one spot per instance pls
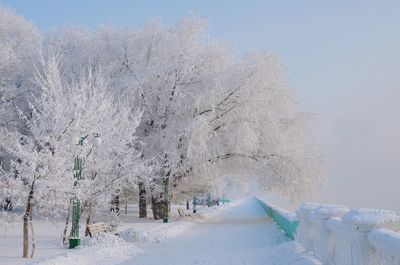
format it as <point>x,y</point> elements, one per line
<point>342,58</point>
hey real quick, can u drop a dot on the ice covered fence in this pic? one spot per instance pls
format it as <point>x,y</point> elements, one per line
<point>386,244</point>
<point>340,236</point>
<point>286,220</point>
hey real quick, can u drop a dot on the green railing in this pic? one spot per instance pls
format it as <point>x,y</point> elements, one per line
<point>287,224</point>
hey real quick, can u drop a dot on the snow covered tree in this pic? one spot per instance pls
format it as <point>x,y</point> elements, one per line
<point>170,71</point>
<point>249,126</point>
<point>19,51</point>
<point>62,115</point>
<point>206,114</point>
<point>20,44</point>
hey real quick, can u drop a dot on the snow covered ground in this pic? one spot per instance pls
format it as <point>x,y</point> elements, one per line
<point>240,235</point>
<point>132,229</point>
<point>236,234</point>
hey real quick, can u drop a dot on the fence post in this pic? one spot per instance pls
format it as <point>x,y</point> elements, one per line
<point>304,232</point>
<point>322,235</point>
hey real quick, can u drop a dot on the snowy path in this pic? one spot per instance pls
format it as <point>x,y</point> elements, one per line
<point>240,235</point>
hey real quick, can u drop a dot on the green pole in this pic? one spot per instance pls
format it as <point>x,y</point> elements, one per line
<point>209,200</point>
<point>74,239</point>
<point>166,198</point>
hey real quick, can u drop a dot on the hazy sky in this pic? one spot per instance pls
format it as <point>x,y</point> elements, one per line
<point>342,58</point>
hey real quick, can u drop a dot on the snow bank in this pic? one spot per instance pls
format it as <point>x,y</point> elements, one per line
<point>103,249</point>
<point>107,248</point>
<point>158,233</point>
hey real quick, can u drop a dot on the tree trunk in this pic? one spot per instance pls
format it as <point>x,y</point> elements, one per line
<point>142,201</point>
<point>157,207</point>
<point>65,240</point>
<point>26,219</point>
<point>157,202</point>
<point>32,237</point>
<point>87,231</point>
<point>8,205</point>
<point>115,204</point>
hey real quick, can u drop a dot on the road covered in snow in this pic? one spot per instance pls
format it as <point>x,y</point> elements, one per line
<point>237,234</point>
<point>240,235</point>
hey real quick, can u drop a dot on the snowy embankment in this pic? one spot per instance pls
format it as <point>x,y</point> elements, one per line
<point>111,249</point>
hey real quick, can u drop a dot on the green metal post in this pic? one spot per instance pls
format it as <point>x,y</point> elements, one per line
<point>166,198</point>
<point>194,204</point>
<point>209,200</point>
<point>74,239</point>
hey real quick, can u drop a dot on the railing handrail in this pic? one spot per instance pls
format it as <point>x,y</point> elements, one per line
<point>287,221</point>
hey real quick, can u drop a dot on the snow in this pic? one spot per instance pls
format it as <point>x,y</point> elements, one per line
<point>240,235</point>
<point>386,241</point>
<point>160,232</point>
<point>307,207</point>
<point>237,234</point>
<point>367,219</point>
<point>149,233</point>
<point>102,250</point>
<point>335,225</point>
<point>352,238</point>
<point>325,211</point>
<point>48,241</point>
<point>304,231</point>
<point>340,247</point>
<point>319,238</point>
